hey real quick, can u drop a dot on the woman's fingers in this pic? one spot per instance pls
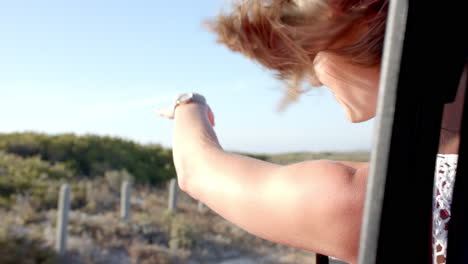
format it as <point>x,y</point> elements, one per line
<point>166,112</point>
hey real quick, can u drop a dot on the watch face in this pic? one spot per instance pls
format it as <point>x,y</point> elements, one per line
<point>184,97</point>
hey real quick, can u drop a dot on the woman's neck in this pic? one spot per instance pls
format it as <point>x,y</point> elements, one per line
<point>449,142</point>
<point>451,120</point>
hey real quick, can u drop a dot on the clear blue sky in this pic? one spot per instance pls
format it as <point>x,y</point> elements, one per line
<point>104,66</point>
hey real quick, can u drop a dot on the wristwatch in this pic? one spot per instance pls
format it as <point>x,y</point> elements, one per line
<point>186,98</point>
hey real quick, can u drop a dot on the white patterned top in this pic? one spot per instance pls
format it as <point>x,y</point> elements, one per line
<point>443,188</point>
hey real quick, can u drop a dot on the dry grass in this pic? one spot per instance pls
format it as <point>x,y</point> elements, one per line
<point>153,235</point>
<point>288,158</point>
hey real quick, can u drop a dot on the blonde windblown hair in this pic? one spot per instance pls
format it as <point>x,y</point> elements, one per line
<point>286,35</point>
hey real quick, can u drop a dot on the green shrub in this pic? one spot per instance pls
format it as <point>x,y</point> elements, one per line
<point>32,177</point>
<point>92,156</point>
<point>116,178</point>
<point>19,248</point>
<point>180,231</point>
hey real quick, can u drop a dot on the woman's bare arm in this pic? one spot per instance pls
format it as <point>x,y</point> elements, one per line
<point>315,205</point>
